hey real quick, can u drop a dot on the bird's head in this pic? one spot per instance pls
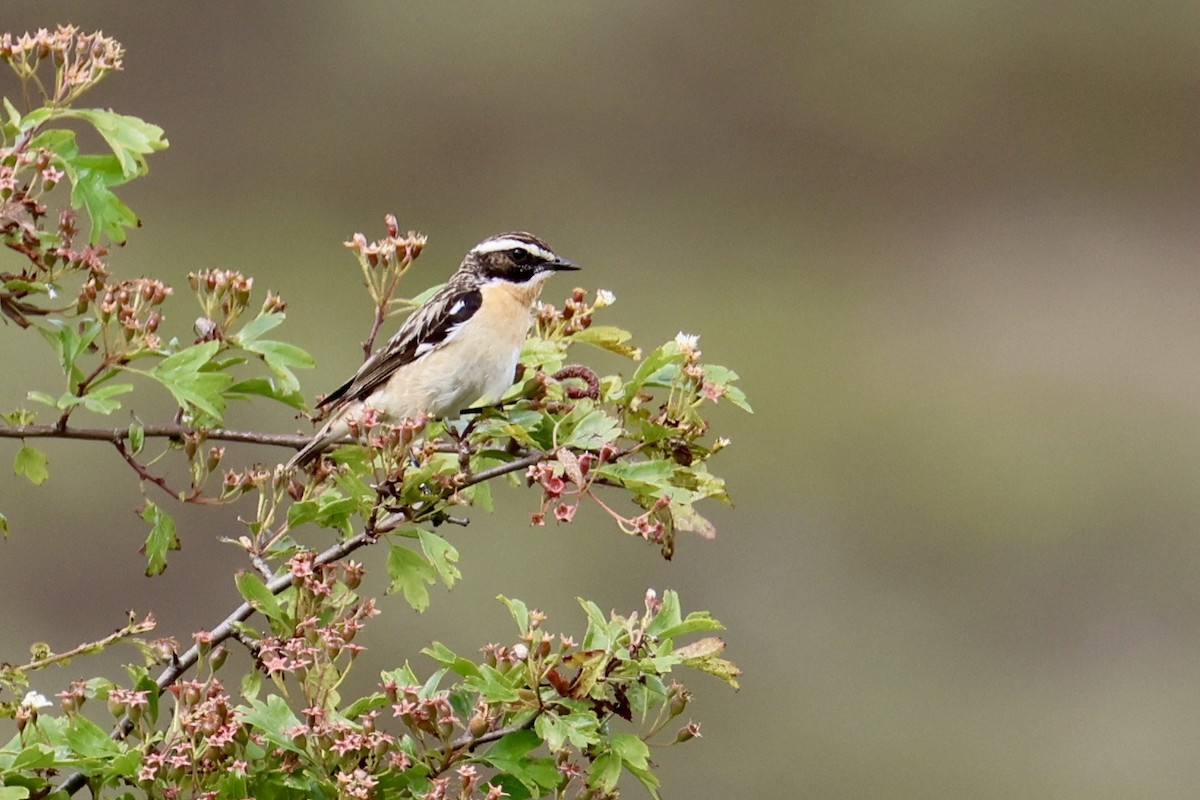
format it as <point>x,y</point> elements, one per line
<point>518,258</point>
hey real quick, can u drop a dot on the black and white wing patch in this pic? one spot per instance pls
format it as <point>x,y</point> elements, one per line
<point>430,327</point>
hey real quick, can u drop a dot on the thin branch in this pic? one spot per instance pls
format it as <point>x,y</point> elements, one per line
<point>225,630</point>
<point>134,628</point>
<point>142,472</point>
<point>171,431</point>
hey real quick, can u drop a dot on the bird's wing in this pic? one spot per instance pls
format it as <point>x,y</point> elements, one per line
<point>427,329</point>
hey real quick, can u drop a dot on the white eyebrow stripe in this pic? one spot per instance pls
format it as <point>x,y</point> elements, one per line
<point>496,245</point>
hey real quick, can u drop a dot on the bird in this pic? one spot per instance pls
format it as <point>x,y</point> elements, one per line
<point>461,346</point>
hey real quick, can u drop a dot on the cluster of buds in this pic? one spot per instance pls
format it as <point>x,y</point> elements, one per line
<point>65,258</point>
<point>209,734</point>
<point>80,60</point>
<point>42,163</point>
<point>223,295</point>
<point>236,483</point>
<point>132,304</point>
<point>574,316</point>
<point>383,262</point>
<point>556,479</point>
<point>468,787</point>
<point>391,444</point>
<point>392,250</point>
<point>432,715</point>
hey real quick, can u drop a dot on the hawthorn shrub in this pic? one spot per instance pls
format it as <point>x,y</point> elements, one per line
<point>543,715</point>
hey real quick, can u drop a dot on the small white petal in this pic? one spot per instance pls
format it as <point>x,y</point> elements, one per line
<point>687,341</point>
<point>605,298</point>
<point>35,700</point>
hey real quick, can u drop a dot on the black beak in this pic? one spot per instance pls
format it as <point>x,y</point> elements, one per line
<point>561,265</point>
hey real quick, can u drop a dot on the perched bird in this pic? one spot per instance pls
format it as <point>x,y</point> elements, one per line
<point>459,347</point>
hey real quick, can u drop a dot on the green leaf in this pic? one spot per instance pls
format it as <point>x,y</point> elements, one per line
<point>448,658</point>
<point>257,594</point>
<point>493,686</point>
<point>137,437</point>
<point>3,524</point>
<point>16,792</point>
<point>441,554</point>
<point>100,399</point>
<point>129,137</point>
<point>69,344</point>
<point>410,572</point>
<point>604,772</point>
<point>579,729</point>
<point>597,636</point>
<point>511,754</point>
<point>589,428</point>
<point>608,337</point>
<point>519,611</point>
<point>272,719</point>
<point>643,477</point>
<point>31,463</point>
<point>92,178</point>
<point>183,377</point>
<point>666,355</point>
<point>704,655</point>
<point>261,387</point>
<point>89,740</point>
<point>256,327</point>
<point>161,539</point>
<point>632,750</point>
<point>549,354</point>
<point>669,615</point>
<point>35,756</point>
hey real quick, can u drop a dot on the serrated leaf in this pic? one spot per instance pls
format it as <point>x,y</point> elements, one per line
<point>441,554</point>
<point>272,719</point>
<point>256,327</point>
<point>160,540</point>
<point>604,772</point>
<point>91,180</point>
<point>493,686</point>
<point>410,572</point>
<point>451,660</point>
<point>519,611</point>
<point>511,754</point>
<point>130,138</point>
<point>256,593</point>
<point>580,730</point>
<point>632,750</point>
<point>181,374</point>
<point>100,399</point>
<point>704,655</point>
<point>31,463</point>
<point>548,354</point>
<point>88,739</point>
<point>608,337</point>
<point>643,477</point>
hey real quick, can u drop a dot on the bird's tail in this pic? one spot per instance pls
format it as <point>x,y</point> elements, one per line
<point>330,432</point>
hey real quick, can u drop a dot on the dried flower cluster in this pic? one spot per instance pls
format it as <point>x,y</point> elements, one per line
<point>79,59</point>
<point>223,295</point>
<point>133,305</point>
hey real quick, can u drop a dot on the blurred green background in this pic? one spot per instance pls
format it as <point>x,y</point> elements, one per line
<point>950,247</point>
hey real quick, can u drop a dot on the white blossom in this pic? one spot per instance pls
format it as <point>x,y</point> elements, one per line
<point>35,700</point>
<point>687,341</point>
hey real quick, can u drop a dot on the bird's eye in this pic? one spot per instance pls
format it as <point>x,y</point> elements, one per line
<point>520,256</point>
